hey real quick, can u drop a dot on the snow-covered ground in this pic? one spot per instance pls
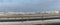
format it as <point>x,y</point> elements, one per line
<point>31,22</point>
<point>20,23</point>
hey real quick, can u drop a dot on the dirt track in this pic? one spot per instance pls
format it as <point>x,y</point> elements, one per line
<point>33,16</point>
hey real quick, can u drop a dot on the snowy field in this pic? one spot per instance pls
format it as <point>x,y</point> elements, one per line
<point>21,23</point>
<point>31,22</point>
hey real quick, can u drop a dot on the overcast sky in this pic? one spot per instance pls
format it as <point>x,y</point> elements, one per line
<point>29,5</point>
